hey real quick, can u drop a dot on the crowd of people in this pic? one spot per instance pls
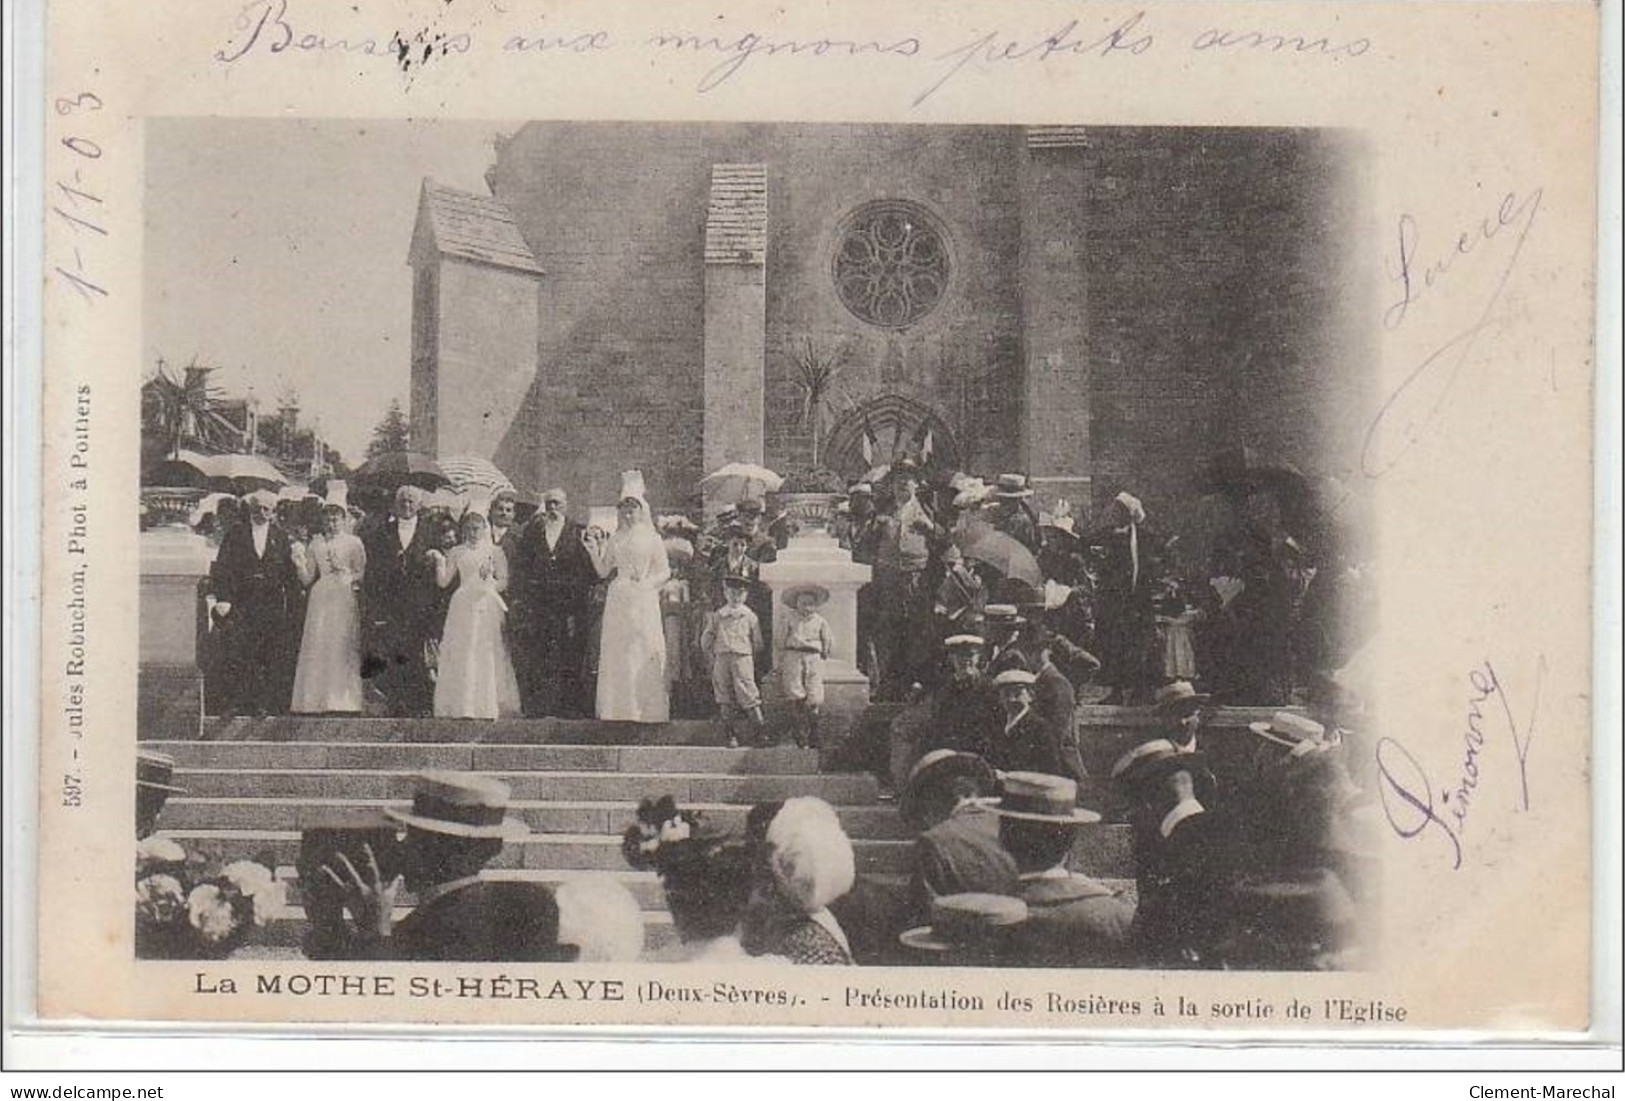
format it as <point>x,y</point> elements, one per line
<point>319,607</point>
<point>1259,859</point>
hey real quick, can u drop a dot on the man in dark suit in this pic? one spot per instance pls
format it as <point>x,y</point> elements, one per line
<point>457,825</point>
<point>551,584</point>
<point>1072,919</point>
<point>256,586</point>
<point>958,850</point>
<point>398,601</point>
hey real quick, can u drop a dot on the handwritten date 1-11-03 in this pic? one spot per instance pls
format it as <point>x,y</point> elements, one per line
<point>74,201</point>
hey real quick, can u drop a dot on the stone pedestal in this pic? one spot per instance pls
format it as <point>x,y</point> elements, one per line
<point>816,557</point>
<point>169,704</point>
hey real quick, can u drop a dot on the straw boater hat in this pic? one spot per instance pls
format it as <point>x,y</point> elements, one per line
<point>794,592</point>
<point>460,804</point>
<point>1293,732</point>
<point>1039,797</point>
<point>1007,615</point>
<point>936,770</point>
<point>750,506</point>
<point>156,772</point>
<point>1011,486</point>
<point>1015,677</point>
<point>966,921</point>
<point>1137,760</point>
<point>1178,697</point>
<point>963,642</point>
<point>861,489</point>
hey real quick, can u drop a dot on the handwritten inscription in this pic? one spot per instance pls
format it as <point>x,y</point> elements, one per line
<point>76,203</point>
<point>1412,408</point>
<point>268,28</point>
<point>1416,808</point>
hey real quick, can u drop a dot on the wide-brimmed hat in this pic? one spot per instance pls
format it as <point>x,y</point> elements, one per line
<point>860,489</point>
<point>965,921</point>
<point>460,804</point>
<point>964,642</point>
<point>156,771</point>
<point>750,506</point>
<point>1007,615</point>
<point>1294,732</point>
<point>1177,697</point>
<point>935,771</point>
<point>972,493</point>
<point>1015,678</point>
<point>795,592</point>
<point>1039,797</point>
<point>1011,486</point>
<point>737,581</point>
<point>1147,753</point>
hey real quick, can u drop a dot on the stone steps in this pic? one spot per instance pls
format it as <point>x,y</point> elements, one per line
<point>396,784</point>
<point>477,757</point>
<point>539,851</point>
<point>549,816</point>
<point>254,784</point>
<point>506,732</point>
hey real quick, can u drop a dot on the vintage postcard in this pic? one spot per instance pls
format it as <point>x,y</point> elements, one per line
<point>1037,516</point>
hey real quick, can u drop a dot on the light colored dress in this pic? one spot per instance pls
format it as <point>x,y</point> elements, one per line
<point>474,677</point>
<point>328,676</point>
<point>632,648</point>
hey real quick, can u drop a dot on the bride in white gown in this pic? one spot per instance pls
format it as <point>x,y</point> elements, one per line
<point>474,677</point>
<point>632,648</point>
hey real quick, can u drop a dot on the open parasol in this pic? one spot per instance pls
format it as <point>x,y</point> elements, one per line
<point>394,469</point>
<point>471,471</point>
<point>735,482</point>
<point>987,544</point>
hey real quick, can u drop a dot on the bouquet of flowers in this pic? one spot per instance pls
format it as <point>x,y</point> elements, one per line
<point>191,909</point>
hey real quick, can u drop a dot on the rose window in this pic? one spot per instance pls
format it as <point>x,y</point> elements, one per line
<point>891,268</point>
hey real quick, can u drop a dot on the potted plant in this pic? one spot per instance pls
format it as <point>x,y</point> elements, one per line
<point>809,498</point>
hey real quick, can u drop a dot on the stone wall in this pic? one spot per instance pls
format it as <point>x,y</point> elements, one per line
<point>1121,305</point>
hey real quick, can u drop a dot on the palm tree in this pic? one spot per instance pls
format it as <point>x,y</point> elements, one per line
<point>817,369</point>
<point>176,411</point>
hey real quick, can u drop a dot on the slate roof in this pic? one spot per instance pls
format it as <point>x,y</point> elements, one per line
<point>472,227</point>
<point>736,221</point>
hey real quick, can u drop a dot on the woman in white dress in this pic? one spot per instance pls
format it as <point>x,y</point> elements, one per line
<point>328,676</point>
<point>632,645</point>
<point>474,677</point>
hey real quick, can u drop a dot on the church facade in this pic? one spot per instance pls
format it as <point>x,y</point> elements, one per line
<point>1100,308</point>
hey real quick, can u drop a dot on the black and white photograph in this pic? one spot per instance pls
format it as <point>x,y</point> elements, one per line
<point>853,544</point>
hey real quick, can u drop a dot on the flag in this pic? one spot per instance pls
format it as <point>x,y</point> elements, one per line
<point>925,447</point>
<point>869,441</point>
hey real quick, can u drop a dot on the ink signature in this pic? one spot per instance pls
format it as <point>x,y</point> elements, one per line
<point>1407,792</point>
<point>1412,408</point>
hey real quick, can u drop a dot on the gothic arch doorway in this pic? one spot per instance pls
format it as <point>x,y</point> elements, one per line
<point>885,429</point>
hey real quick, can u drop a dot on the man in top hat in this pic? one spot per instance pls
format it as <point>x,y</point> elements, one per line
<point>1010,512</point>
<point>1131,560</point>
<point>958,850</point>
<point>1024,742</point>
<point>457,825</point>
<point>154,784</point>
<point>1182,855</point>
<point>256,588</point>
<point>551,592</point>
<point>1073,920</point>
<point>902,612</point>
<point>399,602</point>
